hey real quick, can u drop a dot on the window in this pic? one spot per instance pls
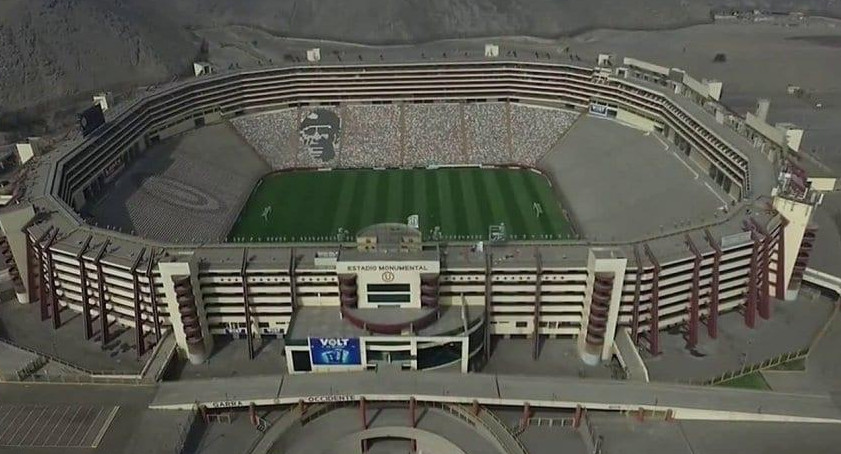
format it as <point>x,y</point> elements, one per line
<point>388,287</point>
<point>389,298</point>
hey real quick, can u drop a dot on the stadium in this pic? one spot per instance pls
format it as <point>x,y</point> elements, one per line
<point>409,213</point>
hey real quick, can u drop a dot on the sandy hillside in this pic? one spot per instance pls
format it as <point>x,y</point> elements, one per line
<point>54,50</point>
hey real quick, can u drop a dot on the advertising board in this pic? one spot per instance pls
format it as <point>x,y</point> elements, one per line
<point>598,110</point>
<point>335,351</point>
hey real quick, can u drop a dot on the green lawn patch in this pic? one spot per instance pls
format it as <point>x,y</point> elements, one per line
<point>753,380</point>
<point>453,204</point>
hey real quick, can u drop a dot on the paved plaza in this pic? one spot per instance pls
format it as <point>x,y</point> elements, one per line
<point>792,326</point>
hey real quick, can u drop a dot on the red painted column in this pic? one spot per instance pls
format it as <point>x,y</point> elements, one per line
<point>524,418</point>
<point>654,321</point>
<point>247,305</point>
<point>42,284</point>
<point>765,282</point>
<point>153,296</point>
<point>412,412</point>
<point>138,318</point>
<point>56,309</point>
<point>38,251</point>
<point>363,413</point>
<point>635,315</point>
<point>750,304</point>
<point>83,284</point>
<point>764,270</point>
<point>293,291</point>
<point>694,315</point>
<point>712,316</point>
<point>31,262</point>
<point>488,303</point>
<point>100,281</point>
<point>536,320</point>
<point>781,261</point>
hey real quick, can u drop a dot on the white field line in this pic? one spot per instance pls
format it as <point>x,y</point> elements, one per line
<point>32,426</point>
<point>52,430</point>
<point>85,435</point>
<point>20,426</point>
<point>105,426</point>
<point>57,442</point>
<point>43,427</point>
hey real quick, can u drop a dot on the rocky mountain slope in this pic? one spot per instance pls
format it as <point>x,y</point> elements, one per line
<point>54,51</point>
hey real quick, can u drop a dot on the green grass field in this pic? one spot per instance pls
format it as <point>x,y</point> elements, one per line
<point>452,204</point>
<point>753,380</point>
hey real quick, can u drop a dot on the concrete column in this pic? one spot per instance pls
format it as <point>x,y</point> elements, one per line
<point>609,265</point>
<point>798,216</point>
<point>13,221</point>
<point>172,272</point>
<point>465,354</point>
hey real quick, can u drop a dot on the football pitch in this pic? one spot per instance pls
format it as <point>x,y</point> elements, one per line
<point>452,204</point>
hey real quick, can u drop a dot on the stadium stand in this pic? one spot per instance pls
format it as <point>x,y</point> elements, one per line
<point>273,135</point>
<point>535,130</point>
<point>488,133</point>
<point>173,192</point>
<point>414,135</point>
<point>371,136</point>
<point>432,135</point>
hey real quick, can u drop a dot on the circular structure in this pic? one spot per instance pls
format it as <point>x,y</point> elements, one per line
<point>392,427</point>
<point>543,200</point>
<point>179,194</point>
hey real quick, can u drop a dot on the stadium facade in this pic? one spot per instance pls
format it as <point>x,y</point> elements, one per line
<point>418,304</point>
